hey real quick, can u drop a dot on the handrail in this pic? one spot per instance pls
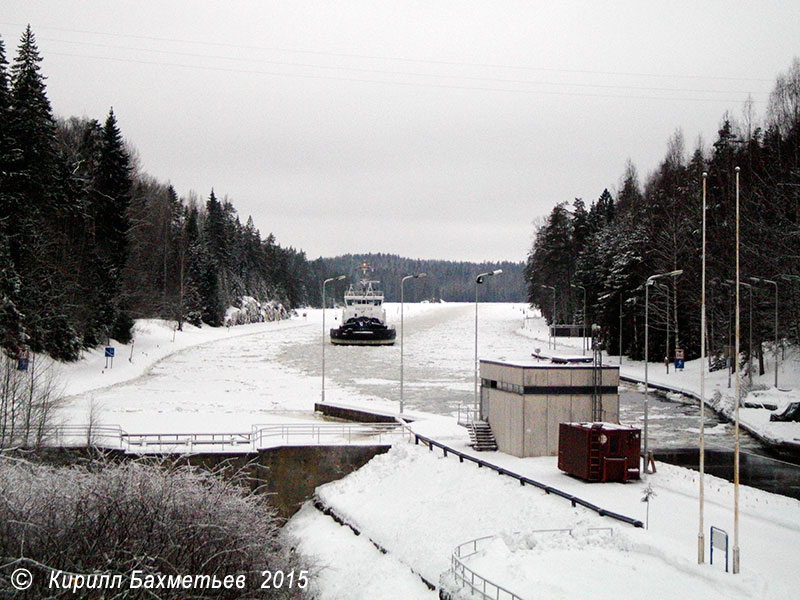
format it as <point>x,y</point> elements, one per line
<point>114,437</point>
<point>575,500</point>
<point>476,582</point>
<point>470,411</point>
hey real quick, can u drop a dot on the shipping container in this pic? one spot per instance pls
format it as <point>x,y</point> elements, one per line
<point>599,451</point>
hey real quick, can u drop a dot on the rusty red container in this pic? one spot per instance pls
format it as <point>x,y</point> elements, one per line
<point>599,451</point>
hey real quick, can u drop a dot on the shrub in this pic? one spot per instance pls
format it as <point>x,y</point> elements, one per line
<point>105,518</point>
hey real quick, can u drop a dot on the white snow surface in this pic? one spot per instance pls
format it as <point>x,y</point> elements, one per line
<point>418,504</point>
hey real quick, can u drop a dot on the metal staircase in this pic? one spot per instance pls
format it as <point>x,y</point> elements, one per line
<point>481,437</point>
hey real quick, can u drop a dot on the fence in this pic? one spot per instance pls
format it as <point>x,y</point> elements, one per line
<point>526,481</point>
<point>114,437</point>
<point>476,583</point>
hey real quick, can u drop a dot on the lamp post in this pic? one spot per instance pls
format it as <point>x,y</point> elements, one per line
<point>775,283</point>
<point>701,545</point>
<point>324,283</point>
<point>402,328</point>
<point>583,316</point>
<point>738,400</point>
<point>620,329</point>
<point>730,318</point>
<point>553,322</point>
<point>750,350</point>
<point>648,283</point>
<point>479,280</point>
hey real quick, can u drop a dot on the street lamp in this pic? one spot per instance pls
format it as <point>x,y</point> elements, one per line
<point>553,322</point>
<point>402,328</point>
<point>775,283</point>
<point>750,351</point>
<point>647,285</point>
<point>730,318</point>
<point>324,283</point>
<point>478,280</point>
<point>738,400</point>
<point>701,545</point>
<point>583,316</point>
<point>620,329</point>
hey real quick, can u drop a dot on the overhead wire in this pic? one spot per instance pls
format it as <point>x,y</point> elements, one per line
<point>401,59</point>
<point>390,77</point>
<point>394,82</point>
<point>410,74</point>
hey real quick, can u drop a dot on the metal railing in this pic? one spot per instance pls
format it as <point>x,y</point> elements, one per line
<point>113,437</point>
<point>351,432</point>
<point>575,500</point>
<point>477,584</point>
<point>467,414</point>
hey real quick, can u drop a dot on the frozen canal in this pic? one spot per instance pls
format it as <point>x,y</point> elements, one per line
<point>274,374</point>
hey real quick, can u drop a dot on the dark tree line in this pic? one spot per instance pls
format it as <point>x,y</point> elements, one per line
<point>446,280</point>
<point>88,243</point>
<point>613,247</point>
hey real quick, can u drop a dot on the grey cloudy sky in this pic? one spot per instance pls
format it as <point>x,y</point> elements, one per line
<point>429,129</point>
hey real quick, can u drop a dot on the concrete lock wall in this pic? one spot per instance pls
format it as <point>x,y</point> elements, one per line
<point>288,474</point>
<point>526,402</point>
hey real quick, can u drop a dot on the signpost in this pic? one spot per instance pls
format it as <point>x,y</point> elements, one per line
<point>679,359</point>
<point>719,540</point>
<point>109,355</point>
<point>23,360</point>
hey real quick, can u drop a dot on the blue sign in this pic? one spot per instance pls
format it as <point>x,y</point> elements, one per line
<point>109,352</point>
<point>679,359</point>
<point>22,364</point>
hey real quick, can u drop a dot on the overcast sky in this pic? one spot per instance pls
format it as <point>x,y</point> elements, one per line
<point>429,129</point>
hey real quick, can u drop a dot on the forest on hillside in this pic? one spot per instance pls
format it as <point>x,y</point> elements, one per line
<point>88,241</point>
<point>609,249</point>
<point>450,281</point>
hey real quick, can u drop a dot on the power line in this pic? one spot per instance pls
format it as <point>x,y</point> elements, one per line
<point>409,74</point>
<point>399,58</point>
<point>389,82</point>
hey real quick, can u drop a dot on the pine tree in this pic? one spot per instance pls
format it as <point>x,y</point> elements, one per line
<point>32,129</point>
<point>113,191</point>
<point>6,144</point>
<point>35,205</point>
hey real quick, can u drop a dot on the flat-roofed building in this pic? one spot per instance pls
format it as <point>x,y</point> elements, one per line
<point>526,401</point>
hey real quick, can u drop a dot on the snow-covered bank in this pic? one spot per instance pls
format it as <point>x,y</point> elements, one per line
<point>153,340</point>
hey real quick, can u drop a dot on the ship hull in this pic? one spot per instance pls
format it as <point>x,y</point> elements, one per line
<point>363,335</point>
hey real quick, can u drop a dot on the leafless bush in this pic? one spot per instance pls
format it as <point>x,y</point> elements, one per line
<point>28,400</point>
<point>105,518</point>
